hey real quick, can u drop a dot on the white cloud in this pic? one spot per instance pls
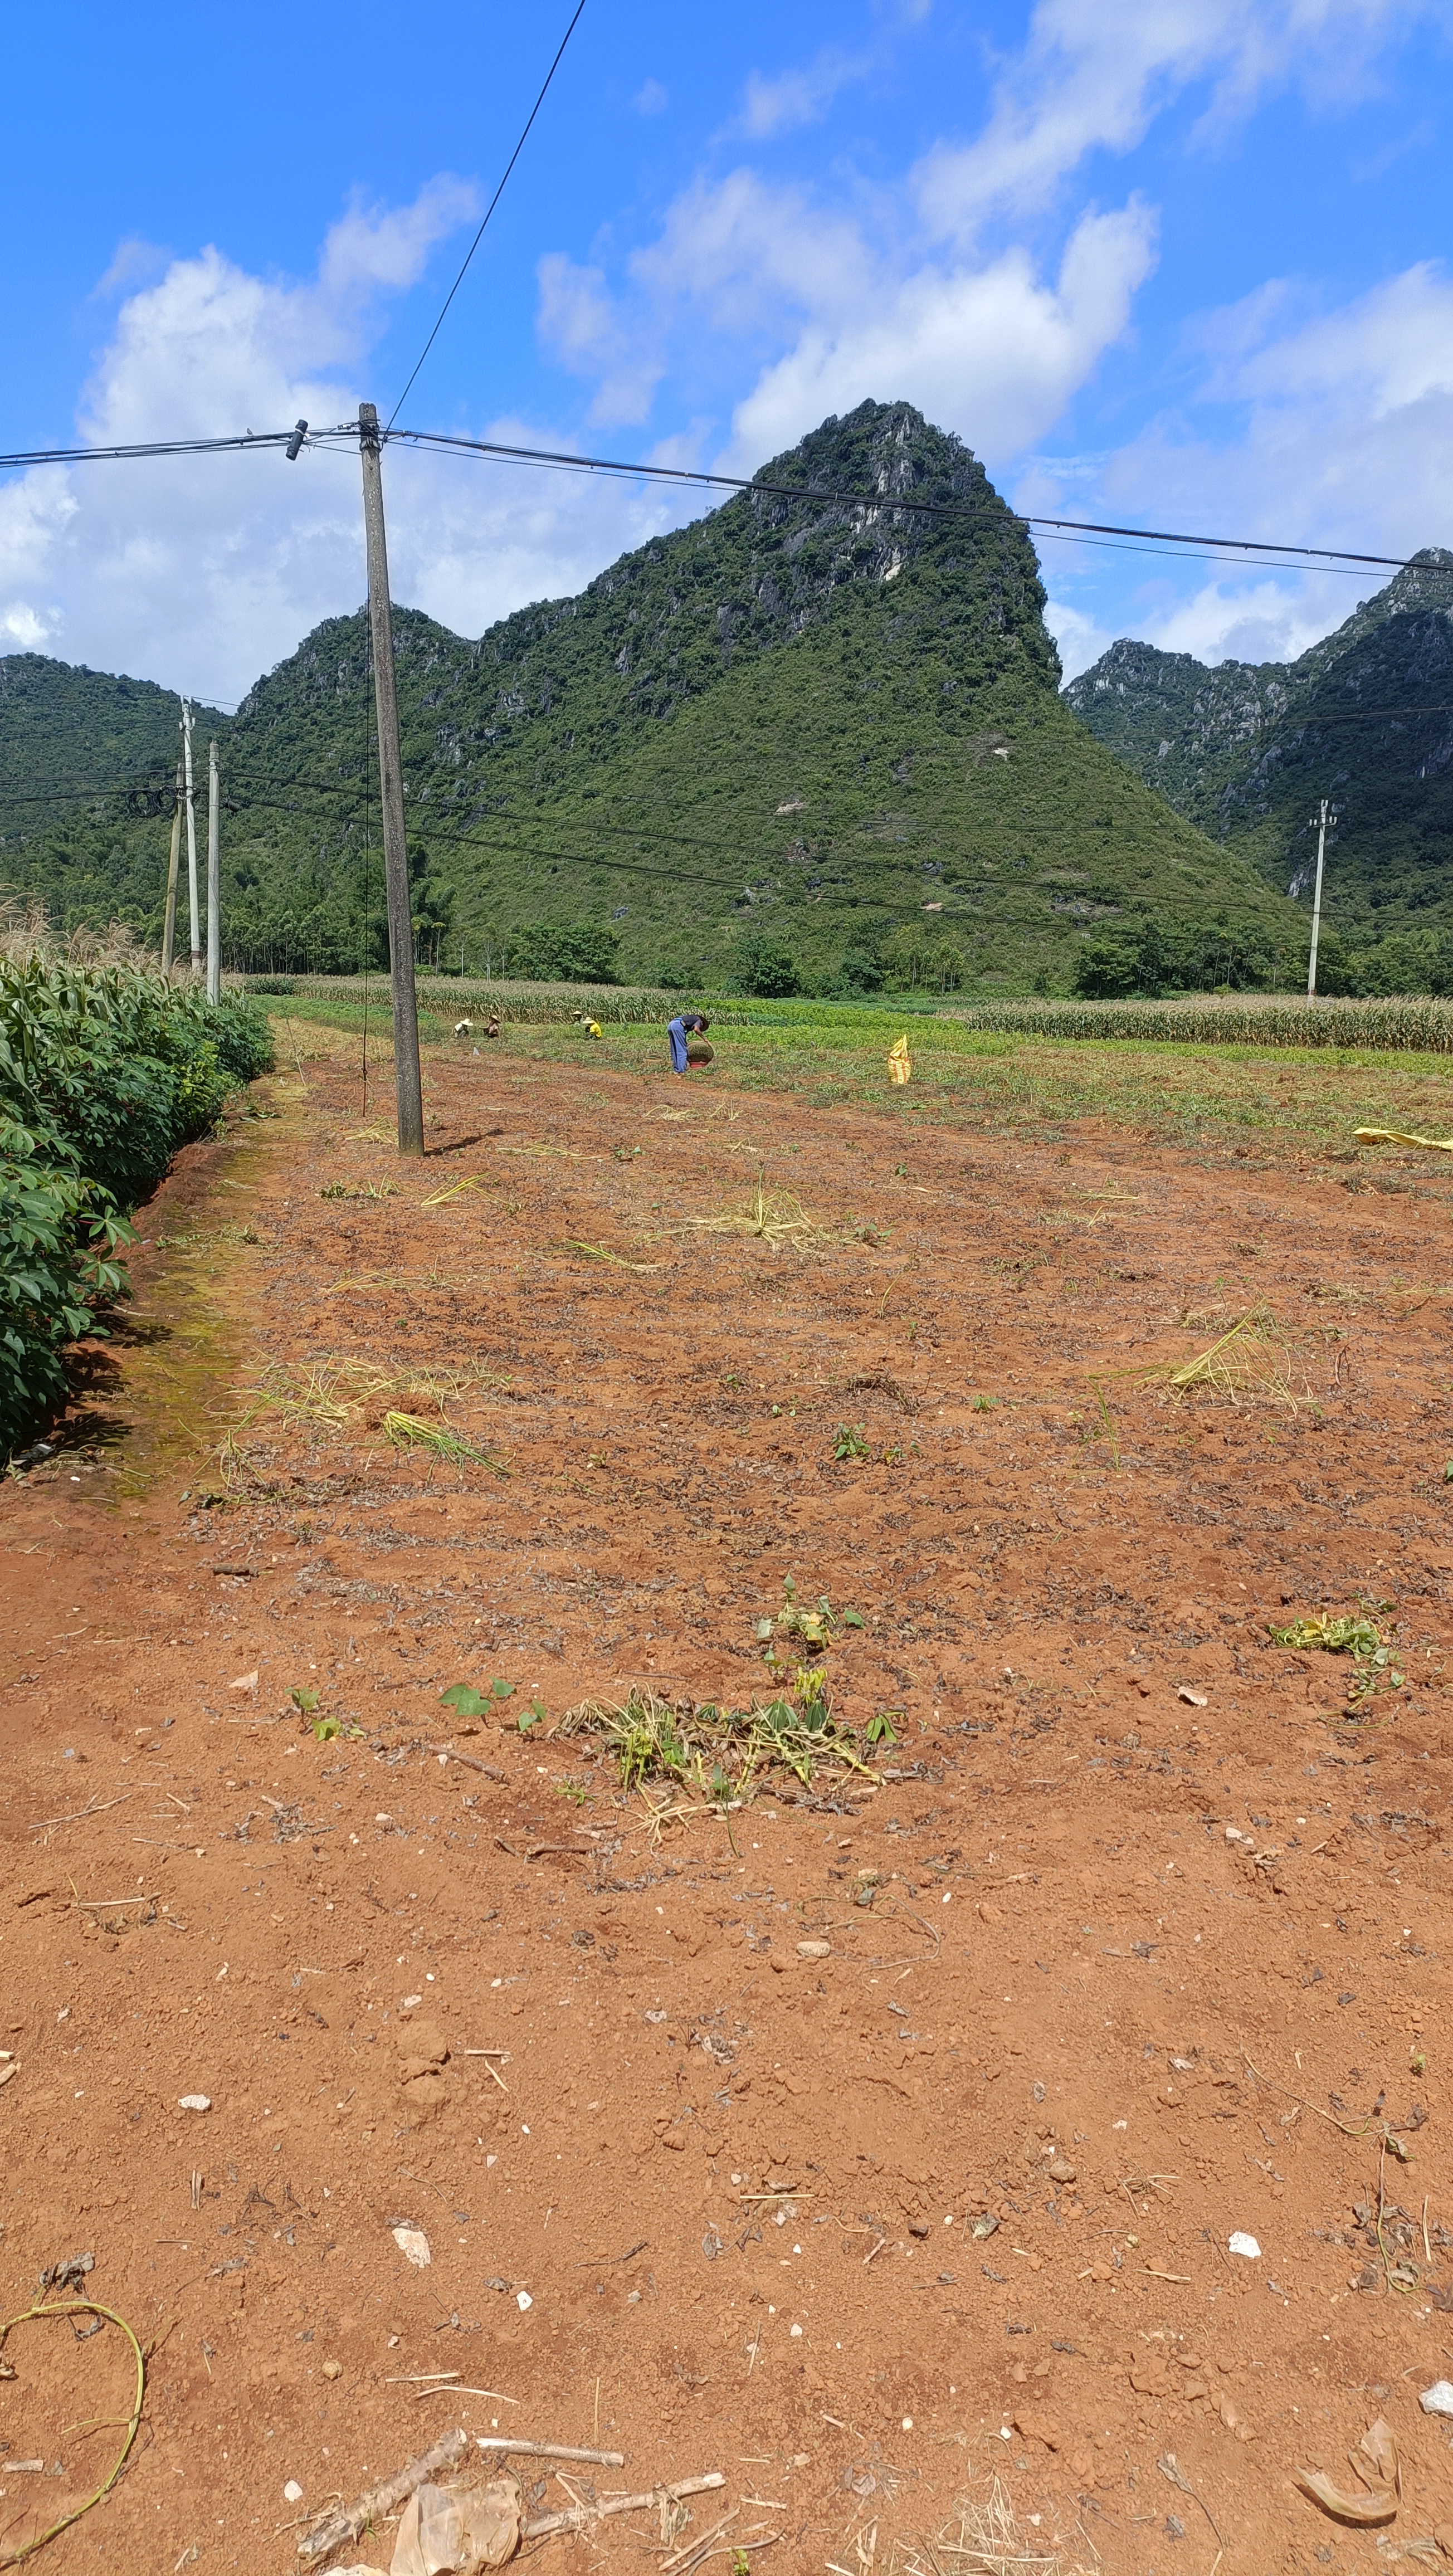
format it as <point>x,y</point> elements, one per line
<point>133,262</point>
<point>962,284</point>
<point>1265,621</point>
<point>800,97</point>
<point>201,572</point>
<point>993,352</point>
<point>386,246</point>
<point>741,255</point>
<point>1387,350</point>
<point>1092,79</point>
<point>1311,429</point>
<point>471,543</point>
<point>938,286</point>
<point>582,326</point>
<point>651,98</point>
<point>1270,620</point>
<point>1081,641</point>
<point>989,348</point>
<point>1329,429</point>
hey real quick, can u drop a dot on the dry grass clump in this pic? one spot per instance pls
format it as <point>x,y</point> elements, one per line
<point>337,1395</point>
<point>771,1217</point>
<point>1252,1361</point>
<point>983,2539</point>
<point>599,1252</point>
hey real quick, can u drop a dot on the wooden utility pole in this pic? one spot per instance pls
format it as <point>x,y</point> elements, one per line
<point>407,1082</point>
<point>191,838</point>
<point>214,876</point>
<point>169,926</point>
<point>1321,818</point>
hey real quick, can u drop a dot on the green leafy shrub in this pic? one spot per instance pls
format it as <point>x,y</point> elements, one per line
<point>104,1072</point>
<point>564,953</point>
<point>1151,961</point>
<point>767,969</point>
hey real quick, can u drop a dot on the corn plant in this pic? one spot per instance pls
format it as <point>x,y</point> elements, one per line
<point>1420,1023</point>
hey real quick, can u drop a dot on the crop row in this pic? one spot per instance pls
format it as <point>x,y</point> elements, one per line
<point>104,1071</point>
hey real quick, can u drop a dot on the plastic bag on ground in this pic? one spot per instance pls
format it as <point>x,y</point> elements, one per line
<point>431,2536</point>
<point>491,2520</point>
<point>450,2531</point>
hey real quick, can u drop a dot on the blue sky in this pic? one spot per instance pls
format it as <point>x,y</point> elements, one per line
<point>1176,261</point>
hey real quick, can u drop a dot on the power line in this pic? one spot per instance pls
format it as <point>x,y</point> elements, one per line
<point>153,447</point>
<point>434,823</point>
<point>561,460</point>
<point>489,210</point>
<point>1188,554</point>
<point>1275,552</point>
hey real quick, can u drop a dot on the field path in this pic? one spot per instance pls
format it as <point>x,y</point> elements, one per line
<point>865,2142</point>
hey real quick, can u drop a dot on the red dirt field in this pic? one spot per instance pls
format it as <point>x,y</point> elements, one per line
<point>1136,1942</point>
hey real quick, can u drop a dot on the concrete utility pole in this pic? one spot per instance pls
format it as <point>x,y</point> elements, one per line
<point>169,927</point>
<point>191,838</point>
<point>1323,816</point>
<point>407,1082</point>
<point>214,877</point>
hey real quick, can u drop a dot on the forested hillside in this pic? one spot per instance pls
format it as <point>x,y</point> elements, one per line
<point>797,740</point>
<point>1247,751</point>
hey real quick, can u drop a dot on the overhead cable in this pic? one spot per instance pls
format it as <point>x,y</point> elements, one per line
<point>489,210</point>
<point>157,447</point>
<point>560,459</point>
<point>1275,553</point>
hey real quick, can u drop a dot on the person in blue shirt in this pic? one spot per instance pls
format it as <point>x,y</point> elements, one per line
<point>677,1030</point>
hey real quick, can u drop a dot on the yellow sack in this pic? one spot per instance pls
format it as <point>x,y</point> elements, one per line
<point>1395,1136</point>
<point>900,1062</point>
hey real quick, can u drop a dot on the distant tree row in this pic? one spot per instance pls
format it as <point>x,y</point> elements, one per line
<point>1200,956</point>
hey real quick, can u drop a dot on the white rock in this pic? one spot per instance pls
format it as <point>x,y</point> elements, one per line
<point>523,2300</point>
<point>195,2102</point>
<point>292,2492</point>
<point>413,2244</point>
<point>1437,2400</point>
<point>1240,2243</point>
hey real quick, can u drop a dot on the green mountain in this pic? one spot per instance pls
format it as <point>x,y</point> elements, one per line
<point>1246,751</point>
<point>797,736</point>
<point>62,726</point>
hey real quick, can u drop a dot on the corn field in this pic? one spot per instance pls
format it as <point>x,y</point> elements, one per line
<point>453,997</point>
<point>1418,1022</point>
<point>1411,1023</point>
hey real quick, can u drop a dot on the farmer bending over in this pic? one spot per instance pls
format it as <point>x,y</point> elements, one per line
<point>676,1031</point>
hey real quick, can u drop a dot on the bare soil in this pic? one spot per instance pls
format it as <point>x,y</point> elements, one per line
<point>1136,1941</point>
